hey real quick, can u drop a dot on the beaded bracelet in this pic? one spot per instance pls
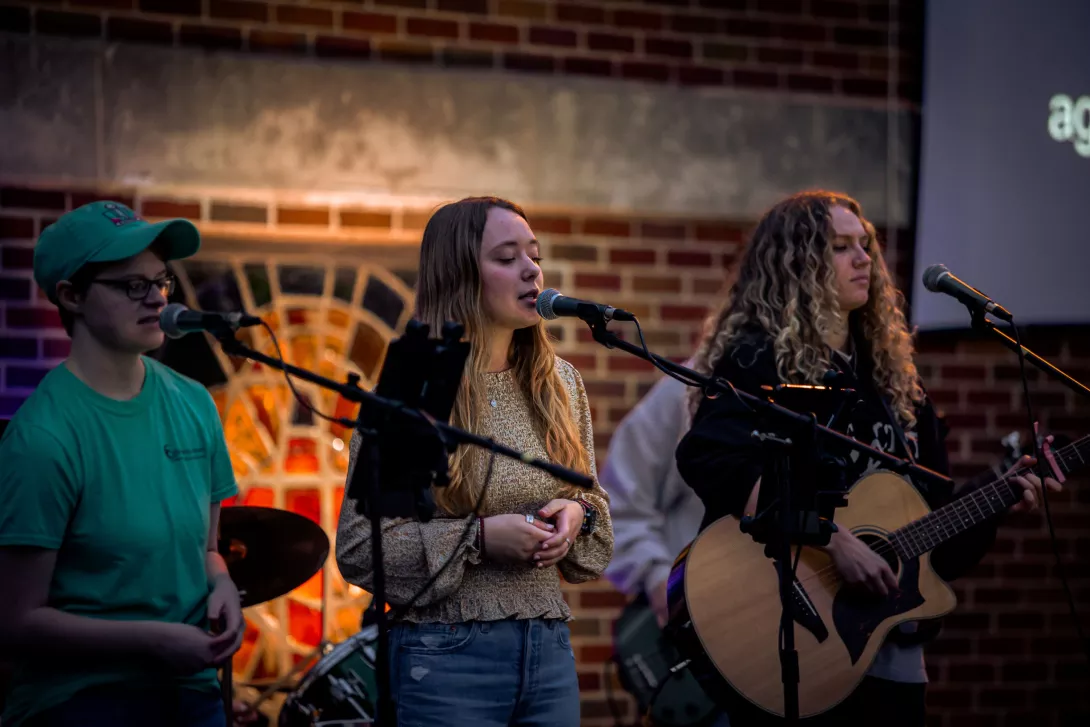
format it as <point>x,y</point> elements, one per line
<point>480,536</point>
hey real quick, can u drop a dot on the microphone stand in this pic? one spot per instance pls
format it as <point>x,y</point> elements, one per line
<point>816,529</point>
<point>981,323</point>
<point>387,410</point>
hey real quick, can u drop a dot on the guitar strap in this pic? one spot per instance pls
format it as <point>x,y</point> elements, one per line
<point>853,362</point>
<point>898,429</point>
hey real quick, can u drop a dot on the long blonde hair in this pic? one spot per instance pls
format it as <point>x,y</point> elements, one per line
<point>449,289</point>
<point>786,286</point>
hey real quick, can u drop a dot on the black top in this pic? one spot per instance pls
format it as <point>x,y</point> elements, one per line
<point>721,460</point>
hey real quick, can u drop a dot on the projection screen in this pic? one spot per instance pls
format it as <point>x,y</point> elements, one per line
<point>1004,185</point>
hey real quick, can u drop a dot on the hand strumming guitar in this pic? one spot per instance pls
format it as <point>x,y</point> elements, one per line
<point>858,565</point>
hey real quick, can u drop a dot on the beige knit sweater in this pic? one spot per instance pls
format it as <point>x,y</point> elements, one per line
<point>472,589</point>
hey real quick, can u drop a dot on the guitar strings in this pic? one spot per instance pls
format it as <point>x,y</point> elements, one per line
<point>886,546</point>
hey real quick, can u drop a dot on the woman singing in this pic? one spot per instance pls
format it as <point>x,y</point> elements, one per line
<point>813,295</point>
<point>488,643</point>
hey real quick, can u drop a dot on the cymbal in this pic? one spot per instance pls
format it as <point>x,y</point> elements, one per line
<point>270,552</point>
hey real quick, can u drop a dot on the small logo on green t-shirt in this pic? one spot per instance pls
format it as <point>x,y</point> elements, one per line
<point>178,455</point>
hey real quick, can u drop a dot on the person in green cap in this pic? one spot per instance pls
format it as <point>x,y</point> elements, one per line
<point>117,607</point>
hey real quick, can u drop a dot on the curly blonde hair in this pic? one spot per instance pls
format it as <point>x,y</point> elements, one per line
<point>786,286</point>
<point>449,289</point>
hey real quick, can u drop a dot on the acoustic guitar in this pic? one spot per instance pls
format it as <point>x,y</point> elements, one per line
<point>725,598</point>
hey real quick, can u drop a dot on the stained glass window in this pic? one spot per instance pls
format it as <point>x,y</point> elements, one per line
<point>383,300</point>
<point>344,284</point>
<point>301,280</point>
<point>283,455</point>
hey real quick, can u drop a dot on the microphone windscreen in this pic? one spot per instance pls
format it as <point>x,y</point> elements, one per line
<point>931,277</point>
<point>545,304</point>
<point>168,320</point>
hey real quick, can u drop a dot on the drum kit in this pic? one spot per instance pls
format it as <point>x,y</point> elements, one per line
<point>270,552</point>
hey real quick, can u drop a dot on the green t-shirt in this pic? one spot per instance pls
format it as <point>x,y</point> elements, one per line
<point>122,490</point>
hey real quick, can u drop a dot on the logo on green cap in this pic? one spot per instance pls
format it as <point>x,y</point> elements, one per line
<point>119,214</point>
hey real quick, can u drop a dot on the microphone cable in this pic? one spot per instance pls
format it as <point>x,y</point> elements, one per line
<point>1043,469</point>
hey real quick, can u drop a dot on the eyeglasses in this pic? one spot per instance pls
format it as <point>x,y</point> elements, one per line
<point>138,288</point>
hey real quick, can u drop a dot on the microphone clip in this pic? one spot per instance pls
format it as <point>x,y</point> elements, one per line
<point>176,320</point>
<point>552,305</point>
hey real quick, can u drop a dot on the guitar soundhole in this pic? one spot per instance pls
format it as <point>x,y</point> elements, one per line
<point>885,549</point>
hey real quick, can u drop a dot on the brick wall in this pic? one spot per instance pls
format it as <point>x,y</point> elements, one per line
<point>851,48</point>
<point>1009,653</point>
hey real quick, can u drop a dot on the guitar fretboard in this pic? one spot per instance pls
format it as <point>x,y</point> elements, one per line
<point>935,528</point>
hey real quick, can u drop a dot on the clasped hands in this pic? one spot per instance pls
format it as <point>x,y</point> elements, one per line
<point>540,541</point>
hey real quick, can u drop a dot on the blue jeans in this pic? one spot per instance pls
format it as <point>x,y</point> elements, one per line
<point>117,705</point>
<point>484,674</point>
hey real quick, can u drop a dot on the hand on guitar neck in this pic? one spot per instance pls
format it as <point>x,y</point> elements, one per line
<point>1031,483</point>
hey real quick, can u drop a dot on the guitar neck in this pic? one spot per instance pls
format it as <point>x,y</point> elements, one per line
<point>984,503</point>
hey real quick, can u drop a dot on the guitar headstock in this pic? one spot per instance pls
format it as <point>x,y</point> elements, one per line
<point>1012,450</point>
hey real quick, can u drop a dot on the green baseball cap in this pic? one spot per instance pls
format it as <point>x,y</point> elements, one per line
<point>104,232</point>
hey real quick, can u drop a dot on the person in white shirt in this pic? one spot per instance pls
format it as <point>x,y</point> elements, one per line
<point>655,514</point>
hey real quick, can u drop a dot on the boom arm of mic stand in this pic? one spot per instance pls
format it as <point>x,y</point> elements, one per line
<point>352,392</point>
<point>720,386</point>
<point>981,323</point>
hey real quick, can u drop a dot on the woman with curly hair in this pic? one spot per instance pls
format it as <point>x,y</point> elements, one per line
<point>487,643</point>
<point>813,296</point>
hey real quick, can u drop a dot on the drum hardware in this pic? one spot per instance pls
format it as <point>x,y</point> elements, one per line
<point>269,552</point>
<point>323,648</point>
<point>341,689</point>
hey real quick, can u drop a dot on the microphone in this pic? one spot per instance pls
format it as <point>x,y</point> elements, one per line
<point>837,381</point>
<point>938,279</point>
<point>176,321</point>
<point>552,305</point>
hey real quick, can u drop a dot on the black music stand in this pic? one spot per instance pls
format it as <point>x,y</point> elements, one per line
<point>400,460</point>
<point>421,373</point>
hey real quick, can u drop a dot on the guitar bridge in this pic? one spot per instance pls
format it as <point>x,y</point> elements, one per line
<point>803,611</point>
